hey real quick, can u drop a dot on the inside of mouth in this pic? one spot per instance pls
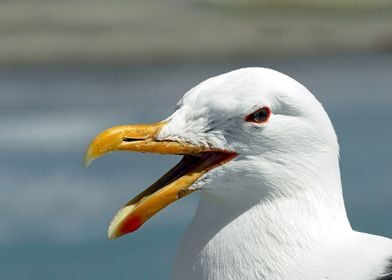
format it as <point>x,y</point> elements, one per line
<point>199,162</point>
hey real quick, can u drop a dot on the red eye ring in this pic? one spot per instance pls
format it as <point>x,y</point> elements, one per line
<point>261,115</point>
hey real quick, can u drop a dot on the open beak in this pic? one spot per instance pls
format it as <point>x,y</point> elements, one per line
<point>175,184</point>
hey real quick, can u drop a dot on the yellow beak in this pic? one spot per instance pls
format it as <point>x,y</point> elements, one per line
<point>172,186</point>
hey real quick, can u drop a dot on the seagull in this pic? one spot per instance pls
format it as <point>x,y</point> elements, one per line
<point>263,154</point>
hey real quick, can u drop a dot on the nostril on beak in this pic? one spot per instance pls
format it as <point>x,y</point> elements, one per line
<point>130,139</point>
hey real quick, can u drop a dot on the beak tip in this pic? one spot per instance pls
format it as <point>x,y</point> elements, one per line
<point>89,157</point>
<point>124,222</point>
<point>86,162</point>
<point>111,237</point>
<point>112,234</point>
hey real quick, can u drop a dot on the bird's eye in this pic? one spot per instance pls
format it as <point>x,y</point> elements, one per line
<point>259,116</point>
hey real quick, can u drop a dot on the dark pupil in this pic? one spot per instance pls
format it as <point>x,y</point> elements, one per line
<point>260,116</point>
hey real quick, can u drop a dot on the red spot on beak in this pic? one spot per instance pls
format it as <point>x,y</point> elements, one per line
<point>131,225</point>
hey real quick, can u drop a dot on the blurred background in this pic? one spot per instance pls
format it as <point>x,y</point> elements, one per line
<point>69,69</point>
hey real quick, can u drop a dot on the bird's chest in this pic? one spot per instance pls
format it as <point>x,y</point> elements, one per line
<point>269,241</point>
<point>238,250</point>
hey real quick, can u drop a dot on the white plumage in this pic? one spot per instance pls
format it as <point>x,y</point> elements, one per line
<point>276,211</point>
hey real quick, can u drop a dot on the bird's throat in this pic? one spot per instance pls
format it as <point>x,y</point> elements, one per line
<point>226,241</point>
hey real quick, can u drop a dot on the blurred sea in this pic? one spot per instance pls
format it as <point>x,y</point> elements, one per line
<point>54,213</point>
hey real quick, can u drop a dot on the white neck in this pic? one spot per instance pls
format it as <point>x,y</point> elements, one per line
<point>270,234</point>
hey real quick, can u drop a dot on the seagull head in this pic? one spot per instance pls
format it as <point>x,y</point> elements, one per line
<point>253,124</point>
